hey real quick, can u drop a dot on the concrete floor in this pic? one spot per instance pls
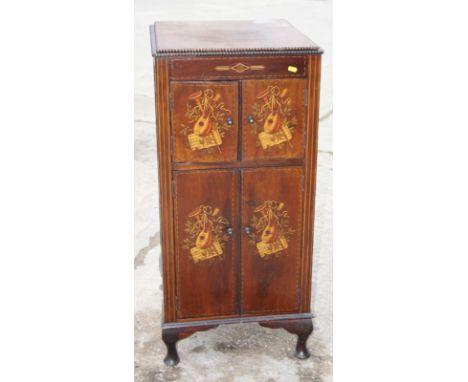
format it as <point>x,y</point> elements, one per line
<point>230,353</point>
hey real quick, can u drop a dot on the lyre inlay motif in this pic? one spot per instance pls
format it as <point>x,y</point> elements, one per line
<point>271,228</point>
<point>206,115</point>
<point>206,233</point>
<point>275,119</point>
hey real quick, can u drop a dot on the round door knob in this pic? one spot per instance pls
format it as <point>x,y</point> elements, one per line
<point>248,230</point>
<point>250,119</point>
<point>229,121</point>
<point>229,231</point>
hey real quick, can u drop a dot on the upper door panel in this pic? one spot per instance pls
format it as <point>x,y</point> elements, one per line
<point>204,121</point>
<point>273,114</point>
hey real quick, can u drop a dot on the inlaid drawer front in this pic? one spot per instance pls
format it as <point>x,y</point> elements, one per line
<point>273,123</point>
<point>204,121</point>
<point>205,209</point>
<point>272,225</point>
<point>238,67</point>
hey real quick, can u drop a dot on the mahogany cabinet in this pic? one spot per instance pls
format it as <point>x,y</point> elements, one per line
<point>237,119</point>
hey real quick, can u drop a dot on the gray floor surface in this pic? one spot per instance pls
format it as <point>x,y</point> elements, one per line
<point>230,353</point>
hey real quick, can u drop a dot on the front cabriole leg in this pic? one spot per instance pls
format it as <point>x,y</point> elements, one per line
<point>171,335</point>
<point>170,338</point>
<point>302,327</point>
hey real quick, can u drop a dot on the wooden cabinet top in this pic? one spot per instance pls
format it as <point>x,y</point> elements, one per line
<point>236,37</point>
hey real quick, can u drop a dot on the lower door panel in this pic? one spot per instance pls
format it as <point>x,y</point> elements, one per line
<point>271,205</point>
<point>205,209</point>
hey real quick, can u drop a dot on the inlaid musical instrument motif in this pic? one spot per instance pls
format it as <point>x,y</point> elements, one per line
<point>275,120</point>
<point>207,120</point>
<point>206,233</point>
<point>271,228</point>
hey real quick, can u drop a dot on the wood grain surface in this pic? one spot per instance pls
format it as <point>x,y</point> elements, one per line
<point>237,126</point>
<point>281,102</point>
<point>270,283</point>
<point>204,121</point>
<point>206,256</point>
<point>174,37</point>
<point>228,68</point>
<point>255,168</point>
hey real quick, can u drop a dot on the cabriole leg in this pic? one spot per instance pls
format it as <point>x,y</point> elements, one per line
<point>170,338</point>
<point>301,327</point>
<point>172,335</point>
<point>304,330</point>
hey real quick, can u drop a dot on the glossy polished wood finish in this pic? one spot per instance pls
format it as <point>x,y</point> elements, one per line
<point>240,164</point>
<point>229,68</point>
<point>237,131</point>
<point>218,37</point>
<point>166,214</point>
<point>206,287</point>
<point>289,111</point>
<point>310,180</point>
<point>270,281</point>
<point>215,108</point>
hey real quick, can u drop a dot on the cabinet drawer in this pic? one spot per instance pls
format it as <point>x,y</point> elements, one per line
<point>238,67</point>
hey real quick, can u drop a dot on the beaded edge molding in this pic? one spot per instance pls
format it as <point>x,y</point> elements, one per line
<point>229,52</point>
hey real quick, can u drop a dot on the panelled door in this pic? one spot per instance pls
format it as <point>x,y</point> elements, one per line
<point>273,122</point>
<point>205,210</point>
<point>271,204</point>
<point>204,121</point>
<point>238,231</point>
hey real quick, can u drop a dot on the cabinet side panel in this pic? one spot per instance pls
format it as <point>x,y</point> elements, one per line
<point>161,76</point>
<point>310,179</point>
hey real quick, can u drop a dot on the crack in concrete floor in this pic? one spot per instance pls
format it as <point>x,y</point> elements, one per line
<point>153,241</point>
